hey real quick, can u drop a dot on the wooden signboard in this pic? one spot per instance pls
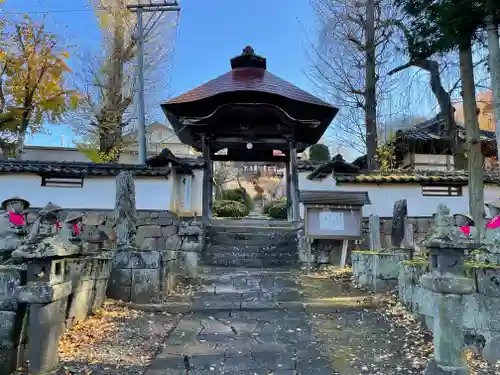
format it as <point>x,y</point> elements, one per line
<point>333,222</point>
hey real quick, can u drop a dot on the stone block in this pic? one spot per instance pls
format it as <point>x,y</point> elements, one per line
<point>120,284</point>
<point>148,244</point>
<point>488,281</point>
<point>43,293</point>
<point>45,325</point>
<point>94,218</point>
<point>121,259</point>
<point>12,359</point>
<point>121,277</point>
<point>144,259</point>
<point>99,294</point>
<point>10,278</point>
<point>164,221</point>
<point>168,230</point>
<point>147,231</point>
<point>7,327</point>
<point>78,306</point>
<point>191,260</point>
<point>145,285</point>
<point>173,242</point>
<point>387,267</point>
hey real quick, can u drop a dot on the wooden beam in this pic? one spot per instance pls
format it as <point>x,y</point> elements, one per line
<point>207,180</point>
<point>288,194</point>
<point>294,182</point>
<point>244,157</point>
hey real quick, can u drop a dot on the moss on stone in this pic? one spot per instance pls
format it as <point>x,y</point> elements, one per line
<point>416,262</point>
<point>481,265</point>
<point>374,252</point>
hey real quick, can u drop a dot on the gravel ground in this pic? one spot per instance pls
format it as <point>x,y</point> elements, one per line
<point>114,341</point>
<point>367,334</point>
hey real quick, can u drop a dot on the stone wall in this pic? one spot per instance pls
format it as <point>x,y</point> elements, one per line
<point>377,270</point>
<point>166,247</point>
<point>481,310</point>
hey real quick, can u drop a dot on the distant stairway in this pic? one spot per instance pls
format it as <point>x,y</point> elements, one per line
<point>251,243</point>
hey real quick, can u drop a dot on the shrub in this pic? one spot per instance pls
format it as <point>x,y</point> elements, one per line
<point>270,204</point>
<point>237,196</point>
<point>319,152</point>
<point>228,208</point>
<point>277,210</point>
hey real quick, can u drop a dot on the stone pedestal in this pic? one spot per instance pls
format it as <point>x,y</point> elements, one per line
<point>47,310</point>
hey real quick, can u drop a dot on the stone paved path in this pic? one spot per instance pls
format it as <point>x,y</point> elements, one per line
<point>242,326</point>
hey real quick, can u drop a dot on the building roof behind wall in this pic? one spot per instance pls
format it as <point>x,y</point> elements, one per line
<point>71,169</point>
<point>430,177</point>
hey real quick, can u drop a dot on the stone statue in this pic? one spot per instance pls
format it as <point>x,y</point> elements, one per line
<point>125,212</point>
<point>13,226</point>
<point>398,222</point>
<point>48,238</point>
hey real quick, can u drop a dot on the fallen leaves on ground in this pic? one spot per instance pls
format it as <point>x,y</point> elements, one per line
<point>418,343</point>
<point>114,341</point>
<point>384,340</point>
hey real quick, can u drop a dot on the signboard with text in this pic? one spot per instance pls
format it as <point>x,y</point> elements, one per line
<point>330,222</point>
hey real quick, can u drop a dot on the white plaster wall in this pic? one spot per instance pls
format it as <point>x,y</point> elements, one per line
<point>197,192</point>
<point>383,196</point>
<point>96,193</point>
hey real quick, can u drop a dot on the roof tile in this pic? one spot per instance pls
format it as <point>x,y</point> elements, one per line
<point>248,79</point>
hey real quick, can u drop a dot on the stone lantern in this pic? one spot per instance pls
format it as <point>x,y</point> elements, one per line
<point>47,286</point>
<point>448,248</point>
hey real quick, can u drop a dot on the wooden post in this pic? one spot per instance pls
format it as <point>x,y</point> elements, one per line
<point>343,256</point>
<point>207,180</point>
<point>374,233</point>
<point>294,182</point>
<point>288,195</point>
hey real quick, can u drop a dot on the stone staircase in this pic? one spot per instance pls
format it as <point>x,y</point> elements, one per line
<point>251,243</point>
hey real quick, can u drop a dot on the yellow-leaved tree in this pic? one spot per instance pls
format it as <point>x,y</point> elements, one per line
<point>33,90</point>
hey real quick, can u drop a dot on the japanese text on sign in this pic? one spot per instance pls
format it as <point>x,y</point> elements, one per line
<point>331,221</point>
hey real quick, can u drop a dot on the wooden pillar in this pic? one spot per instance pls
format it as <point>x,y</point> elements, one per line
<point>294,182</point>
<point>288,195</point>
<point>207,180</point>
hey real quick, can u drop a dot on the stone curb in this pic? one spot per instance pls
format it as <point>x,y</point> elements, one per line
<point>184,308</point>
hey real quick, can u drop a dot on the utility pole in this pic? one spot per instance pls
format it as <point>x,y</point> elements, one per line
<point>140,8</point>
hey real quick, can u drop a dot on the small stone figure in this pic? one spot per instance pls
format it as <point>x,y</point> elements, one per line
<point>13,226</point>
<point>494,208</point>
<point>46,240</point>
<point>125,211</point>
<point>465,222</point>
<point>74,224</point>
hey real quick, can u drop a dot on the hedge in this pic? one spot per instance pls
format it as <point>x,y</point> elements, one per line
<point>228,208</point>
<point>277,209</point>
<point>237,196</point>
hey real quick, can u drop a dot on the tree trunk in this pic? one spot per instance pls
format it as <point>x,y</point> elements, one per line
<point>110,118</point>
<point>370,87</point>
<point>446,109</point>
<point>494,65</point>
<point>475,155</point>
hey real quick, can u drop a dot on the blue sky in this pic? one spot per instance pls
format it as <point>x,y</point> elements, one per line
<point>209,34</point>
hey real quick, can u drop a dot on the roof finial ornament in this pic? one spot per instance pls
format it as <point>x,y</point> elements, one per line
<point>248,50</point>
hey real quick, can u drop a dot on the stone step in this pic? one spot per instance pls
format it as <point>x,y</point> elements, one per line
<point>249,263</point>
<point>250,249</point>
<point>216,229</point>
<point>253,222</point>
<point>252,239</point>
